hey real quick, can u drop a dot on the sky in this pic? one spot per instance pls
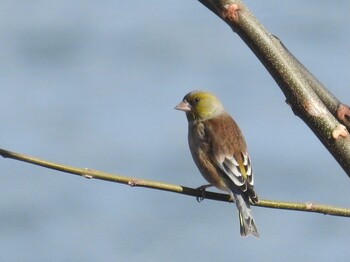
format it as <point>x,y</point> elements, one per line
<point>94,84</point>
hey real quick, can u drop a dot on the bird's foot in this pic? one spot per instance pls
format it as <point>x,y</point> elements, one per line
<point>202,189</point>
<point>231,199</point>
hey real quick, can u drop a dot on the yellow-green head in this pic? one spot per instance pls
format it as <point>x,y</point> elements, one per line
<point>200,106</point>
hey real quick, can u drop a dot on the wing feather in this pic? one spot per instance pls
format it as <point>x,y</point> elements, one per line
<point>229,153</point>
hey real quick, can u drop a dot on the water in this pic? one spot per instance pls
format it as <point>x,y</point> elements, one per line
<point>93,84</point>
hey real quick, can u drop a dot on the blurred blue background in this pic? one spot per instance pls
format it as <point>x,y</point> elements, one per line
<point>94,83</point>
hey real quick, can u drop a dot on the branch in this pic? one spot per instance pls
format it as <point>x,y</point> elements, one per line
<point>308,98</point>
<point>339,110</point>
<point>137,182</point>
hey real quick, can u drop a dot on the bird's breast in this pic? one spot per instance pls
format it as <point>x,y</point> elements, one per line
<point>201,153</point>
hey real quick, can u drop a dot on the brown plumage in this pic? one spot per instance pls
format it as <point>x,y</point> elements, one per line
<point>220,138</point>
<point>219,150</point>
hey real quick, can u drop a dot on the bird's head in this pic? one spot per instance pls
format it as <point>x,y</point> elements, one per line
<point>200,106</point>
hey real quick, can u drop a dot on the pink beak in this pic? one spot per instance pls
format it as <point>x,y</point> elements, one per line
<point>183,106</point>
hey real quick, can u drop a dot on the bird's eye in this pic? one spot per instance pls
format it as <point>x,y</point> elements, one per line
<point>196,100</point>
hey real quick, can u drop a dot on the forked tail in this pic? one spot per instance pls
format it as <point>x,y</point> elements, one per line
<point>246,219</point>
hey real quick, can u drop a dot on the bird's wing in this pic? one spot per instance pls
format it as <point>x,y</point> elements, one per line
<point>238,169</point>
<point>229,153</point>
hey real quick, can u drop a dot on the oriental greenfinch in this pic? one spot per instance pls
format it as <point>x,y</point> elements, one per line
<point>219,150</point>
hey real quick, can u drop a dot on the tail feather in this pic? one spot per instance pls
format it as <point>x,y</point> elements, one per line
<point>246,219</point>
<point>247,226</point>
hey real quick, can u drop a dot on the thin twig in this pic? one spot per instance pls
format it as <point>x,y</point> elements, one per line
<point>137,182</point>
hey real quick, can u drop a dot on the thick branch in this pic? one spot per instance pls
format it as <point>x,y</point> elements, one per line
<point>338,110</point>
<point>308,98</point>
<point>137,182</point>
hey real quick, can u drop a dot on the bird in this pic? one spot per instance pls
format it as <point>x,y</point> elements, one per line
<point>220,153</point>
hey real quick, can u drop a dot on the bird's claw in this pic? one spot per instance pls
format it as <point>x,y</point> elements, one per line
<point>202,189</point>
<point>231,199</point>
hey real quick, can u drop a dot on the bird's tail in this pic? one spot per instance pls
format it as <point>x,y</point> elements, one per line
<point>246,219</point>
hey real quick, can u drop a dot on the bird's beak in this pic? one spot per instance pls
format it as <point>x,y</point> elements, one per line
<point>183,106</point>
